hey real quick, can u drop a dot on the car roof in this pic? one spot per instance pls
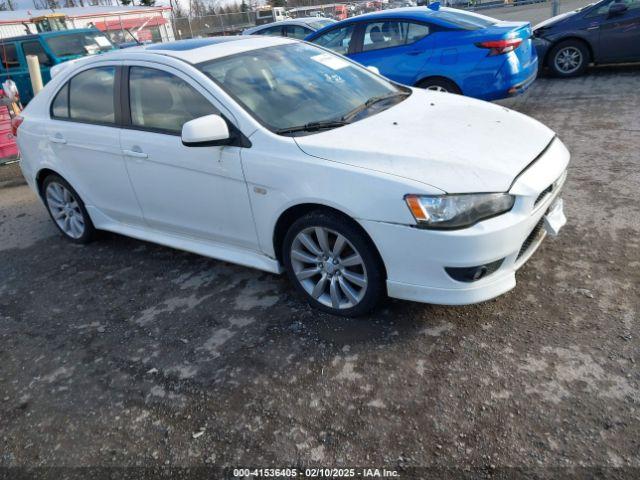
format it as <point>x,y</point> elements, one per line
<point>202,49</point>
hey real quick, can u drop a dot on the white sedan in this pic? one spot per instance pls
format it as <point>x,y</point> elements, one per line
<point>279,155</point>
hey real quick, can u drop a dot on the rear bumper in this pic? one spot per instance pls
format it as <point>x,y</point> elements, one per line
<point>522,87</point>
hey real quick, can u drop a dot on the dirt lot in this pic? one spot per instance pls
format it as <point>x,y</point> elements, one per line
<point>117,353</point>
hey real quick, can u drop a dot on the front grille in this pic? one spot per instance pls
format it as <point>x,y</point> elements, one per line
<point>543,194</point>
<point>531,238</point>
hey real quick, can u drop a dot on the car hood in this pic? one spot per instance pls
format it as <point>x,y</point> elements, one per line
<point>553,20</point>
<point>454,143</point>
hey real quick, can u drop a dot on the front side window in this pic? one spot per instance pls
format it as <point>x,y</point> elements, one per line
<point>79,44</point>
<point>337,39</point>
<point>294,85</point>
<point>36,48</point>
<point>91,96</point>
<point>604,8</point>
<point>161,101</point>
<point>297,31</point>
<point>9,56</point>
<point>387,34</point>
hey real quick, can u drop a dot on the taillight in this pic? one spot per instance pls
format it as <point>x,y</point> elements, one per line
<point>15,123</point>
<point>498,47</point>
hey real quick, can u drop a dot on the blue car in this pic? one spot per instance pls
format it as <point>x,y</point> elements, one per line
<point>439,49</point>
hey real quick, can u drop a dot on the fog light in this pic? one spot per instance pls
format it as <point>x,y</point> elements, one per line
<point>473,274</point>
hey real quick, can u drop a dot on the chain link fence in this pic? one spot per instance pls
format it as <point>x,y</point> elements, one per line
<point>235,23</point>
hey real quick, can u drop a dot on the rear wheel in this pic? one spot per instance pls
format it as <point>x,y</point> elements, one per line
<point>333,264</point>
<point>439,84</point>
<point>569,59</point>
<point>67,210</point>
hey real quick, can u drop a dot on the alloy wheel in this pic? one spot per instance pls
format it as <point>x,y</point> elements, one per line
<point>65,210</point>
<point>568,60</point>
<point>437,88</point>
<point>329,268</point>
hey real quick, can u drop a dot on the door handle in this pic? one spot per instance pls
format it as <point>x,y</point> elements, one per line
<point>135,153</point>
<point>57,138</point>
<point>414,52</point>
<point>594,27</point>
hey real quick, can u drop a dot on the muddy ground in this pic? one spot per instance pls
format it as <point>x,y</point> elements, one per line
<point>117,353</point>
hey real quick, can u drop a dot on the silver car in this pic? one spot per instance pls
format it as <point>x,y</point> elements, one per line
<point>293,28</point>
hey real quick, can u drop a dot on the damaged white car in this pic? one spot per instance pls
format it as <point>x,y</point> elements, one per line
<point>279,155</point>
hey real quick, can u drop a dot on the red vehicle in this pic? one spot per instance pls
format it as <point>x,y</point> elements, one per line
<point>341,12</point>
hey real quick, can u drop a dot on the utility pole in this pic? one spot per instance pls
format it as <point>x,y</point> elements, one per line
<point>554,7</point>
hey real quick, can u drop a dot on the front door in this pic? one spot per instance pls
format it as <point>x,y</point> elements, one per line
<point>619,35</point>
<point>198,192</point>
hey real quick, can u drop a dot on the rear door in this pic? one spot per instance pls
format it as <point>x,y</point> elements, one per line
<point>84,137</point>
<point>619,35</point>
<point>398,48</point>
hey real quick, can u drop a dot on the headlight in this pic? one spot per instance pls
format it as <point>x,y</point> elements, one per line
<point>457,211</point>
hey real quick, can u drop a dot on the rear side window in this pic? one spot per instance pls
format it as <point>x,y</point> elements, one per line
<point>36,48</point>
<point>60,105</point>
<point>9,56</point>
<point>161,101</point>
<point>387,34</point>
<point>91,96</point>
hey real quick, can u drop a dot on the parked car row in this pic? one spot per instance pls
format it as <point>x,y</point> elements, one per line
<point>457,51</point>
<point>442,49</point>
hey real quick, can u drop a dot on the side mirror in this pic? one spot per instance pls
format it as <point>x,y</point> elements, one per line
<point>206,131</point>
<point>373,69</point>
<point>617,9</point>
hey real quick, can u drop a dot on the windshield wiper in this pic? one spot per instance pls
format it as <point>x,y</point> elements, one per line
<point>369,103</point>
<point>314,126</point>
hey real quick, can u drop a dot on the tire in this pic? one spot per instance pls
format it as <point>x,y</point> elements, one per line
<point>568,59</point>
<point>439,84</point>
<point>346,277</point>
<point>67,210</point>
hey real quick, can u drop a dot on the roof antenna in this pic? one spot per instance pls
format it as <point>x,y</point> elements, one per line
<point>435,6</point>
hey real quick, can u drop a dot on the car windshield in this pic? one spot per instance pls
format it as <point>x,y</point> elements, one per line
<point>300,87</point>
<point>75,44</point>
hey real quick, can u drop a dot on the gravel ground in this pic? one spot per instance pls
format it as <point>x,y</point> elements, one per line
<point>123,353</point>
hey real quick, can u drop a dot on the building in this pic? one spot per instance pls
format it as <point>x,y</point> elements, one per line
<point>145,23</point>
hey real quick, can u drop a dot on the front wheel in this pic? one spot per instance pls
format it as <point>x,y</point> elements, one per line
<point>569,59</point>
<point>333,264</point>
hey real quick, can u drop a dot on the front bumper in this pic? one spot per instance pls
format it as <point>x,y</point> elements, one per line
<point>416,259</point>
<point>542,47</point>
